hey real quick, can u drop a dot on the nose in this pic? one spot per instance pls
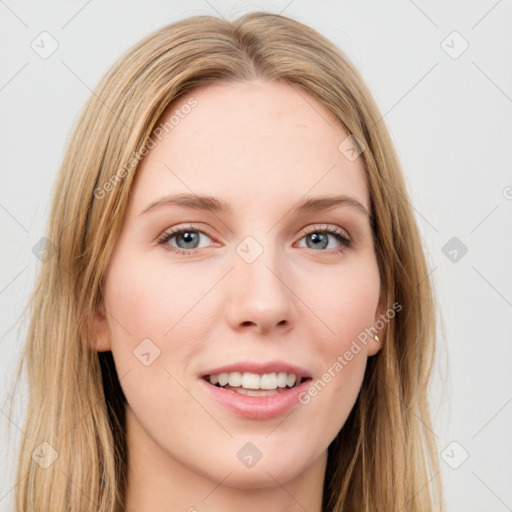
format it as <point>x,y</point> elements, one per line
<point>261,298</point>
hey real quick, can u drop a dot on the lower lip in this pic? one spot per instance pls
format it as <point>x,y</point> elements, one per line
<point>257,407</point>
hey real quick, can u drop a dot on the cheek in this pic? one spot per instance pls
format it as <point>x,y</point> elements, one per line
<point>344,301</point>
<point>150,334</point>
<point>153,300</point>
<point>353,296</point>
<point>157,320</point>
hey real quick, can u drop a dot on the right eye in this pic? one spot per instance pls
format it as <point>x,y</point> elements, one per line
<point>188,237</point>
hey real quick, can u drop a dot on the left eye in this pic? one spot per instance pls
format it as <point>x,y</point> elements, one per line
<point>187,240</point>
<point>320,239</point>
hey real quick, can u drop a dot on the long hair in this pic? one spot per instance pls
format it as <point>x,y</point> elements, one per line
<point>384,458</point>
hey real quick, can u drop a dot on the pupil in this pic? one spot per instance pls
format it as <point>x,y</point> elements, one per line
<point>186,236</point>
<point>318,237</point>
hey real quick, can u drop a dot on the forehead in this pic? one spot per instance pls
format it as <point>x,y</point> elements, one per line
<point>254,143</point>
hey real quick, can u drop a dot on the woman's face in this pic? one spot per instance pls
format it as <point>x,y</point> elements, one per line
<point>258,282</point>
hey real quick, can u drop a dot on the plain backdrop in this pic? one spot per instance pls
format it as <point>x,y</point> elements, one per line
<point>441,74</point>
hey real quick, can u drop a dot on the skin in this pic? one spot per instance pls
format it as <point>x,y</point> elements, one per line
<point>261,147</point>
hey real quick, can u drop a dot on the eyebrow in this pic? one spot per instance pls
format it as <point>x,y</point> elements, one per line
<point>213,204</point>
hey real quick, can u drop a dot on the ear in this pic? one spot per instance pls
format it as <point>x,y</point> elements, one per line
<point>101,341</point>
<point>380,323</point>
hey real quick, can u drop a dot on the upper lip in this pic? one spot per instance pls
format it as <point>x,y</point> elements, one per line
<point>260,368</point>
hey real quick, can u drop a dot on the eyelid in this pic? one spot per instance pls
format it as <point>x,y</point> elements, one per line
<point>325,227</point>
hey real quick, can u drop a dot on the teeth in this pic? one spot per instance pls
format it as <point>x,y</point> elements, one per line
<point>235,379</point>
<point>248,380</point>
<point>268,381</point>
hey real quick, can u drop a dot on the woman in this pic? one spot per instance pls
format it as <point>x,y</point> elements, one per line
<point>238,313</point>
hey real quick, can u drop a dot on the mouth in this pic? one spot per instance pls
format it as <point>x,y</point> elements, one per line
<point>254,384</point>
<point>256,390</point>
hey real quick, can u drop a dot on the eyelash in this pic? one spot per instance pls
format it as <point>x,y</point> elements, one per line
<point>165,237</point>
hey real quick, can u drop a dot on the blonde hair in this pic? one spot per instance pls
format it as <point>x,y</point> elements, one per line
<point>385,454</point>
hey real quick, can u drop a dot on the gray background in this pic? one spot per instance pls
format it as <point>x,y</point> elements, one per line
<point>449,114</point>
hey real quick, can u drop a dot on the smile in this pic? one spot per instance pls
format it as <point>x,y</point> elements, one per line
<point>247,381</point>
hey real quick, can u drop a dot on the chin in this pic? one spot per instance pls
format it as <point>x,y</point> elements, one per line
<point>259,478</point>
